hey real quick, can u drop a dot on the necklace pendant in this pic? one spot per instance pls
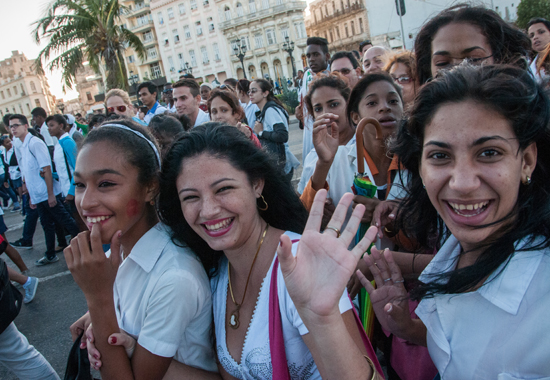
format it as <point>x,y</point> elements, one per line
<point>234,320</point>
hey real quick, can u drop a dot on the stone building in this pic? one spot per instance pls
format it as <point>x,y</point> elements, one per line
<point>21,88</point>
<point>90,87</point>
<point>263,26</point>
<point>344,23</point>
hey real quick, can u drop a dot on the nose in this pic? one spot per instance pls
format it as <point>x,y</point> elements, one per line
<point>87,199</point>
<point>384,107</point>
<point>465,177</point>
<point>210,208</point>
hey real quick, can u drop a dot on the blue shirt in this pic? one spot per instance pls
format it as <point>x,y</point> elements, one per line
<point>69,150</point>
<point>156,110</point>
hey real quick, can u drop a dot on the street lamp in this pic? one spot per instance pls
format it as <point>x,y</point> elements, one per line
<point>187,69</point>
<point>240,51</point>
<point>288,46</point>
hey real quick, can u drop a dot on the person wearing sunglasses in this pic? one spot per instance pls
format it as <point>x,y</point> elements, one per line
<point>345,63</point>
<point>402,68</point>
<point>168,98</point>
<point>118,102</point>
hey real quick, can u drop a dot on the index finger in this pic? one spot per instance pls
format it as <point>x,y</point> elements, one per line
<point>316,213</point>
<point>95,240</point>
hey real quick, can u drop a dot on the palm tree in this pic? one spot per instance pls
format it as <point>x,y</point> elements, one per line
<point>86,30</point>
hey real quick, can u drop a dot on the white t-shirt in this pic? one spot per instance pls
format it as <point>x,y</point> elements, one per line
<point>256,356</point>
<point>61,167</point>
<point>163,299</point>
<point>14,171</point>
<point>500,331</point>
<point>202,117</point>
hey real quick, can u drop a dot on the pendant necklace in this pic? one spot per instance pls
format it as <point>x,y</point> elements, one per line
<point>234,318</point>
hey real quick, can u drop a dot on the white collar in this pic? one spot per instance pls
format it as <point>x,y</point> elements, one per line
<point>149,247</point>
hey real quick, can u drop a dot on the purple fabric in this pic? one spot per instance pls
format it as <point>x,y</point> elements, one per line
<point>276,340</point>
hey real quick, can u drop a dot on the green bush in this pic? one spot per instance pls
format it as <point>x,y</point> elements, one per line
<point>288,98</point>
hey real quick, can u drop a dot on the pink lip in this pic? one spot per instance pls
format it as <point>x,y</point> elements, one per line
<point>475,220</point>
<point>220,232</point>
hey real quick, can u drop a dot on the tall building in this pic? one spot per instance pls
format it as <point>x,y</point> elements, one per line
<point>21,88</point>
<point>344,23</point>
<point>190,39</point>
<point>90,87</point>
<point>263,26</point>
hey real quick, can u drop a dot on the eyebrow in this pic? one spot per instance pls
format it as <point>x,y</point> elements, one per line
<point>101,172</point>
<point>212,185</point>
<point>465,51</point>
<point>480,141</point>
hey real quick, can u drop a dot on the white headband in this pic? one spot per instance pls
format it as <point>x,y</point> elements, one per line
<point>139,134</point>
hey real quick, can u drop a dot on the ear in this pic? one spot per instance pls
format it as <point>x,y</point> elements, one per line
<point>529,161</point>
<point>198,98</point>
<point>152,191</point>
<point>355,118</point>
<point>258,187</point>
<point>358,71</point>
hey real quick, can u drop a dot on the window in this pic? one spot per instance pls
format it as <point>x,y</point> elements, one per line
<point>33,87</point>
<point>28,108</point>
<point>240,11</point>
<point>14,90</point>
<point>180,58</point>
<point>131,59</point>
<point>252,6</point>
<point>278,2</point>
<point>246,42</point>
<point>353,28</point>
<point>161,19</point>
<point>148,36</point>
<point>205,3</point>
<point>193,5</point>
<point>258,41</point>
<point>346,29</point>
<point>165,39</point>
<point>176,35</point>
<point>152,53</point>
<point>265,4</point>
<point>9,93</point>
<point>22,89</point>
<point>2,93</point>
<point>193,58</point>
<point>284,33</point>
<point>204,54</point>
<point>198,28</point>
<point>88,96</point>
<point>216,49</point>
<point>170,13</point>
<point>338,32</point>
<point>210,24</point>
<point>300,30</point>
<point>361,25</point>
<point>182,8</point>
<point>187,32</point>
<point>270,34</point>
<point>326,37</point>
<point>143,20</point>
<point>155,70</point>
<point>171,64</point>
<point>227,12</point>
<point>331,36</point>
<point>20,108</point>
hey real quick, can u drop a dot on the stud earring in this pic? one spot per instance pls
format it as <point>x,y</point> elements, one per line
<point>527,181</point>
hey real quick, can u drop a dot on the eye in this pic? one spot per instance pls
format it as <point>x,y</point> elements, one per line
<point>371,103</point>
<point>394,101</point>
<point>189,197</point>
<point>438,156</point>
<point>317,109</point>
<point>334,105</point>
<point>490,153</point>
<point>106,184</point>
<point>441,64</point>
<point>225,188</point>
<point>79,185</point>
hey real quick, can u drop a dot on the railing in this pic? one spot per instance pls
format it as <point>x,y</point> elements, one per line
<point>147,23</point>
<point>339,13</point>
<point>263,13</point>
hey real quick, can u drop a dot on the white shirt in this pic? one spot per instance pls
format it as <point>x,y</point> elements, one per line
<point>202,117</point>
<point>14,171</point>
<point>256,355</point>
<point>50,141</point>
<point>61,167</point>
<point>34,157</point>
<point>156,110</point>
<point>499,331</point>
<point>250,110</point>
<point>307,142</point>
<point>162,298</point>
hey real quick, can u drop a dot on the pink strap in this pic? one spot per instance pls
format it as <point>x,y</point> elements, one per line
<point>276,340</point>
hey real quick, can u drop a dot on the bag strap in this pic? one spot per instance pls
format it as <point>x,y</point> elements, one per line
<point>67,164</point>
<point>276,339</point>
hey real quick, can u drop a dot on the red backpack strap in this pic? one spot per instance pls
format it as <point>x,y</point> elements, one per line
<point>276,340</point>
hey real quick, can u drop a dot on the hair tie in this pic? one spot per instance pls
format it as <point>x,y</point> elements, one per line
<point>140,135</point>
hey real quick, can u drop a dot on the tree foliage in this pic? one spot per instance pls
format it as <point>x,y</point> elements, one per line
<point>527,9</point>
<point>81,31</point>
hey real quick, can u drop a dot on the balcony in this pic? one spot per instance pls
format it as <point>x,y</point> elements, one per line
<point>139,10</point>
<point>260,14</point>
<point>354,8</point>
<point>141,27</point>
<point>150,43</point>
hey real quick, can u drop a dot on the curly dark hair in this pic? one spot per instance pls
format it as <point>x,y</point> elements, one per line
<point>513,93</point>
<point>508,43</point>
<point>285,211</point>
<point>333,80</point>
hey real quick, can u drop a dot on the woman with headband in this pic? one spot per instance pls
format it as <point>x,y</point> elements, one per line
<point>149,287</point>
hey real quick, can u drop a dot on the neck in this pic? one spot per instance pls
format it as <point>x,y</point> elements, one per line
<point>23,135</point>
<point>345,136</point>
<point>377,151</point>
<point>171,103</point>
<point>193,116</point>
<point>150,106</point>
<point>129,238</point>
<point>262,103</point>
<point>241,258</point>
<point>320,71</point>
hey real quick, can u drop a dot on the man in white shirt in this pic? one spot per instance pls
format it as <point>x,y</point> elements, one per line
<point>38,120</point>
<point>147,93</point>
<point>187,95</point>
<point>43,189</point>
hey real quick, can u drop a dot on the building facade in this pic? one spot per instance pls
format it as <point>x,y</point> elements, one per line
<point>191,40</point>
<point>21,88</point>
<point>263,26</point>
<point>344,23</point>
<point>90,88</point>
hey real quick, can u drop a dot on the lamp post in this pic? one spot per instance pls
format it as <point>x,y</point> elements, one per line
<point>240,51</point>
<point>187,69</point>
<point>288,46</point>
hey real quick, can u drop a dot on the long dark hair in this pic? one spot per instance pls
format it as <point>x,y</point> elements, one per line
<point>266,86</point>
<point>285,210</point>
<point>512,93</point>
<point>508,44</point>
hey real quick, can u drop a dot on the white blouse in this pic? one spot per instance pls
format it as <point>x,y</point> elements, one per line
<point>256,355</point>
<point>501,330</point>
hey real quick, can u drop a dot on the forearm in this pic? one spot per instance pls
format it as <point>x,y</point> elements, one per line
<point>415,333</point>
<point>278,135</point>
<point>406,261</point>
<point>180,371</point>
<point>49,180</point>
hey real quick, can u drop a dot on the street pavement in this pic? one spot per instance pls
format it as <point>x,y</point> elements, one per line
<point>59,302</point>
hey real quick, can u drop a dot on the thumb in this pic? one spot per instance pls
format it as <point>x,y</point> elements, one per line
<point>121,339</point>
<point>395,313</point>
<point>115,249</point>
<point>284,252</point>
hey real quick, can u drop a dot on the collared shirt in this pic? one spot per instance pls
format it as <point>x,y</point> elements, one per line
<point>163,299</point>
<point>156,110</point>
<point>202,117</point>
<point>34,157</point>
<point>250,110</point>
<point>14,171</point>
<point>48,139</point>
<point>65,152</point>
<point>500,330</point>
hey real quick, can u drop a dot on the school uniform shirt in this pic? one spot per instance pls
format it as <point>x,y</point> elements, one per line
<point>255,363</point>
<point>500,330</point>
<point>48,139</point>
<point>65,152</point>
<point>202,117</point>
<point>14,171</point>
<point>250,110</point>
<point>156,110</point>
<point>163,299</point>
<point>35,156</point>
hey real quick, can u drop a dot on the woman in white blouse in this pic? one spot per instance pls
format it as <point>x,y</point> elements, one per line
<point>477,148</point>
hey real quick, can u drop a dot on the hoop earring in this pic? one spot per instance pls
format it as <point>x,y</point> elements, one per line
<point>527,181</point>
<point>265,204</point>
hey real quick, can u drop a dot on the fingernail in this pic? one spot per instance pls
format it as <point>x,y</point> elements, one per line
<point>376,224</point>
<point>281,241</point>
<point>390,308</point>
<point>392,216</point>
<point>96,356</point>
<point>113,340</point>
<point>119,234</point>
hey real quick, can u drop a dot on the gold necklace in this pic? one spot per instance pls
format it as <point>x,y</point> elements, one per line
<point>234,319</point>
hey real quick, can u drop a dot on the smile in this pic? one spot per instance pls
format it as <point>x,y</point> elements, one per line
<point>469,210</point>
<point>217,225</point>
<point>97,219</point>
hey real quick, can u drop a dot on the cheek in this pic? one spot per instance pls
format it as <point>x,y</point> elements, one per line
<point>132,208</point>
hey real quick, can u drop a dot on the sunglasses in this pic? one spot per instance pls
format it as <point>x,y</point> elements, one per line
<point>252,91</point>
<point>118,108</point>
<point>168,91</point>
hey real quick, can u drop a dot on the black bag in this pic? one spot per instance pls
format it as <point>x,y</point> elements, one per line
<point>10,298</point>
<point>78,365</point>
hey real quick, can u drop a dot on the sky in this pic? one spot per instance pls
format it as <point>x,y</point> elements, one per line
<point>17,35</point>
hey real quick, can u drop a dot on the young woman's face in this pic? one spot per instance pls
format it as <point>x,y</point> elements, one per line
<point>472,169</point>
<point>218,201</point>
<point>255,93</point>
<point>382,102</point>
<point>329,100</point>
<point>403,77</point>
<point>456,42</point>
<point>539,35</point>
<point>55,128</point>
<point>7,143</point>
<point>115,104</point>
<point>221,111</point>
<point>108,192</point>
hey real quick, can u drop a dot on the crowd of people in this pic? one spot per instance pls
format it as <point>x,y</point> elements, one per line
<point>200,259</point>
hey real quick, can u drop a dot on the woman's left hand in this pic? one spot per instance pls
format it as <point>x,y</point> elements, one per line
<point>317,276</point>
<point>258,127</point>
<point>92,270</point>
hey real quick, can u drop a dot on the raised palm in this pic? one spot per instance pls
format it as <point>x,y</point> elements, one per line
<point>317,276</point>
<point>325,142</point>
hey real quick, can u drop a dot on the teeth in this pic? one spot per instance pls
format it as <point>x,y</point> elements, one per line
<point>477,206</point>
<point>219,225</point>
<point>97,219</point>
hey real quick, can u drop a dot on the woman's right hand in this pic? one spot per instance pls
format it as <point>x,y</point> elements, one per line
<point>79,326</point>
<point>384,214</point>
<point>116,339</point>
<point>325,143</point>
